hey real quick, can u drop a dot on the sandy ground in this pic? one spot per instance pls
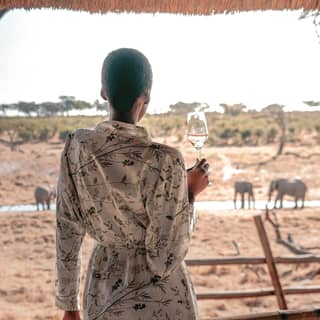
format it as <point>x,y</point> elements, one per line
<point>27,240</point>
<point>27,254</point>
<point>38,164</point>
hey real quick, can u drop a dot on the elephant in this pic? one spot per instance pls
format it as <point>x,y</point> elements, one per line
<point>243,187</point>
<point>295,188</point>
<point>44,195</point>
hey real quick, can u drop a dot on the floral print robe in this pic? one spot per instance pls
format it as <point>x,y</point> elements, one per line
<point>130,195</point>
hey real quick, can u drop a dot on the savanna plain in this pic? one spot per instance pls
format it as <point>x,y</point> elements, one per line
<point>27,239</point>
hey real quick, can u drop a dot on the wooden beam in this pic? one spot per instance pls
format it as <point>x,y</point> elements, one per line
<point>251,260</point>
<point>235,294</point>
<point>226,261</point>
<point>255,293</point>
<point>286,314</point>
<point>299,259</point>
<point>270,263</point>
<point>302,290</point>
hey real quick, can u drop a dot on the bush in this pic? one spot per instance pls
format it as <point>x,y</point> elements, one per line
<point>25,136</point>
<point>64,134</point>
<point>44,134</point>
<point>271,135</point>
<point>245,135</point>
<point>226,134</point>
<point>26,130</point>
<point>223,129</point>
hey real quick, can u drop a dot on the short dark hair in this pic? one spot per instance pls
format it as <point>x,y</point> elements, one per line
<point>126,75</point>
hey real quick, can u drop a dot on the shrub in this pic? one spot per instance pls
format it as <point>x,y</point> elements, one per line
<point>25,130</point>
<point>222,128</point>
<point>44,134</point>
<point>226,134</point>
<point>271,135</point>
<point>64,134</point>
<point>25,136</point>
<point>245,135</point>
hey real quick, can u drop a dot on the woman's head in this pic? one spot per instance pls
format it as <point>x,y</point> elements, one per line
<point>126,77</point>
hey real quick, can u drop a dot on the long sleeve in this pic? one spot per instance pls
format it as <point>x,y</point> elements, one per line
<point>170,213</point>
<point>70,231</point>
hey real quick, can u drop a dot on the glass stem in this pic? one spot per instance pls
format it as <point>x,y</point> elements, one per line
<point>199,154</point>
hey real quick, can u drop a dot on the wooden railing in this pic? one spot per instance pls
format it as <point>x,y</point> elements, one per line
<point>280,315</point>
<point>277,290</point>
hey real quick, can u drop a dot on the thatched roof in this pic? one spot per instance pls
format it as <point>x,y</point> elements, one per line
<point>196,7</point>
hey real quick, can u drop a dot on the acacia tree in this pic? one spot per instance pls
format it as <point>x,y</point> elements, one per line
<point>233,109</point>
<point>67,103</point>
<point>49,109</point>
<point>312,103</point>
<point>27,108</point>
<point>184,108</point>
<point>81,105</point>
<point>4,108</point>
<point>101,106</point>
<point>275,111</point>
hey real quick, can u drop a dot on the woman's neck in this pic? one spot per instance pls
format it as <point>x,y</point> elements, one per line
<point>122,117</point>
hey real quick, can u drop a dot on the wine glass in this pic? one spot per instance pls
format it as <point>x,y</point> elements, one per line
<point>197,130</point>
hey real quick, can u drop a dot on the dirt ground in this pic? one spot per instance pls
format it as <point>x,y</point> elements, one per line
<point>38,164</point>
<point>27,240</point>
<point>27,254</point>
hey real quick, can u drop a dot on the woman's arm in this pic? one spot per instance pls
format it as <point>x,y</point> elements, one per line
<point>70,232</point>
<point>170,214</point>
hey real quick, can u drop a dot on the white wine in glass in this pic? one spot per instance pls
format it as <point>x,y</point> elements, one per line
<point>197,130</point>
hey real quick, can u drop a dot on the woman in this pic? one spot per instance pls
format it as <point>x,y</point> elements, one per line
<point>135,198</point>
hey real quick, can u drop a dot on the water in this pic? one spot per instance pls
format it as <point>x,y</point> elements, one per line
<point>200,205</point>
<point>259,204</point>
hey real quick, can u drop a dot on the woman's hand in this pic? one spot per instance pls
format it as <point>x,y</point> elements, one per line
<point>197,178</point>
<point>71,315</point>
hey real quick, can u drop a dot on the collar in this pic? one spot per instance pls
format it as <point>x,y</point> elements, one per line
<point>124,128</point>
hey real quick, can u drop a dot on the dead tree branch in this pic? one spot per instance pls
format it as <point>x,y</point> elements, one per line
<point>237,247</point>
<point>289,243</point>
<point>297,155</point>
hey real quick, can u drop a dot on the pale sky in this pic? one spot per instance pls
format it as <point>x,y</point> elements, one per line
<point>256,58</point>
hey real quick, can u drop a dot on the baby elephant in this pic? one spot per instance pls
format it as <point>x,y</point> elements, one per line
<point>243,187</point>
<point>295,188</point>
<point>44,195</point>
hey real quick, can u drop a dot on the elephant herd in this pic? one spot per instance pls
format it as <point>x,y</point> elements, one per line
<point>294,188</point>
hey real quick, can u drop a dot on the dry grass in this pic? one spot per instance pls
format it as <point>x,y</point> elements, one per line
<point>18,179</point>
<point>27,253</point>
<point>27,241</point>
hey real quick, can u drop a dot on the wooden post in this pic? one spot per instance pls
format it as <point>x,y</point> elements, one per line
<point>270,263</point>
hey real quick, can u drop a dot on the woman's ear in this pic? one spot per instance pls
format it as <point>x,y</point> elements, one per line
<point>103,94</point>
<point>147,96</point>
<point>140,107</point>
